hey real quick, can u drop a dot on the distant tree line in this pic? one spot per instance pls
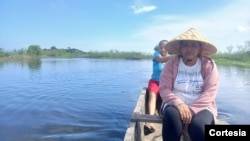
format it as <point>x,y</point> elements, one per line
<point>242,54</point>
<point>118,54</point>
<point>36,51</point>
<point>69,52</point>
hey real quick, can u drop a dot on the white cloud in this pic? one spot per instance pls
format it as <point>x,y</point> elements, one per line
<point>222,26</point>
<point>142,6</point>
<point>243,28</point>
<point>143,9</point>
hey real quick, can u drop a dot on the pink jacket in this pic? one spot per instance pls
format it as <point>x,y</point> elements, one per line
<point>211,81</point>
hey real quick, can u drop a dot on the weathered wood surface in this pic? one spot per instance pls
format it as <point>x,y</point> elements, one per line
<point>139,117</point>
<point>135,129</point>
<point>158,118</point>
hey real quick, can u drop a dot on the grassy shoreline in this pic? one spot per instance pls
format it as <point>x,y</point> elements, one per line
<point>241,60</point>
<point>226,62</point>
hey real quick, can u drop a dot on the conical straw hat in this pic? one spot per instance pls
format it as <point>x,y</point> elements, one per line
<point>207,47</point>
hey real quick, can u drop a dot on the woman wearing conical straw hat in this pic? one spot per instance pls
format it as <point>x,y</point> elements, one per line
<point>188,87</point>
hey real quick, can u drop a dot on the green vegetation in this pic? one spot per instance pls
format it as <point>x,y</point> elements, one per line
<point>62,53</point>
<point>20,55</point>
<point>241,57</point>
<point>34,51</point>
<point>117,54</point>
<point>237,59</point>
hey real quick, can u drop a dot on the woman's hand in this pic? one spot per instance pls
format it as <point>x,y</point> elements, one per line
<point>186,115</point>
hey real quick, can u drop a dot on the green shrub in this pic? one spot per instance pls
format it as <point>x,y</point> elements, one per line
<point>34,50</point>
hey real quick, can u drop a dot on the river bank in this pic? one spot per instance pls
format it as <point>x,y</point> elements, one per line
<point>241,59</point>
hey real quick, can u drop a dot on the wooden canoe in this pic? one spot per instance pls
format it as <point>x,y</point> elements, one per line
<point>135,131</point>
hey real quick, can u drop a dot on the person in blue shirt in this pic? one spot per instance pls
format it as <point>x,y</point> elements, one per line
<point>159,58</point>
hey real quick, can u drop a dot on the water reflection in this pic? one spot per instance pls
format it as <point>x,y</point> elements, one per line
<point>233,95</point>
<point>35,64</point>
<point>1,64</point>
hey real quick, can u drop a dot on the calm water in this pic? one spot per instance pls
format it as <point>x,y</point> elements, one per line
<point>91,99</point>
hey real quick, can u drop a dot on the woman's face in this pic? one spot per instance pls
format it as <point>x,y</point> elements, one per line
<point>162,49</point>
<point>190,50</point>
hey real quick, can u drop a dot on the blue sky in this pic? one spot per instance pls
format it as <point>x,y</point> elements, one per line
<point>124,25</point>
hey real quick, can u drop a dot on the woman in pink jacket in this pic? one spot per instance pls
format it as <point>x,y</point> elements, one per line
<point>188,87</point>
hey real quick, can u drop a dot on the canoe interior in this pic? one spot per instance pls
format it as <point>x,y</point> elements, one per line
<point>140,115</point>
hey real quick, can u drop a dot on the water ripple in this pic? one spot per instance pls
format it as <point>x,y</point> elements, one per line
<point>91,99</point>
